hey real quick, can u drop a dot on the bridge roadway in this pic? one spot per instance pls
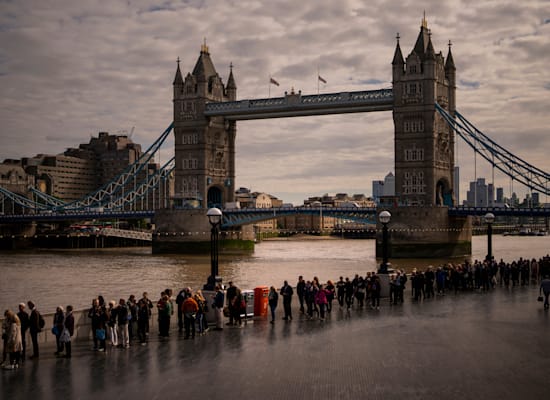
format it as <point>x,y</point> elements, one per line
<point>235,217</point>
<point>465,346</point>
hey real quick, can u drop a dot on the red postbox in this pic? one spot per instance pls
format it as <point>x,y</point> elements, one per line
<point>261,294</point>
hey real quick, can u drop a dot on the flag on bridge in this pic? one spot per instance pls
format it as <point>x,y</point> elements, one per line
<point>321,79</point>
<point>273,81</point>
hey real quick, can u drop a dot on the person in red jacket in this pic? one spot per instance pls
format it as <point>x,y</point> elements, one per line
<point>189,309</point>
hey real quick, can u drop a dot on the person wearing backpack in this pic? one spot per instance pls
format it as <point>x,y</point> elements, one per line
<point>35,326</point>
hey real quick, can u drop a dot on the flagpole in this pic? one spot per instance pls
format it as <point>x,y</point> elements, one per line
<point>318,75</point>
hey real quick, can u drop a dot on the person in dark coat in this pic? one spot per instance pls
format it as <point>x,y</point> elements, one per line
<point>230,295</point>
<point>287,292</point>
<point>34,328</point>
<point>24,318</point>
<point>273,300</point>
<point>69,326</point>
<point>58,326</point>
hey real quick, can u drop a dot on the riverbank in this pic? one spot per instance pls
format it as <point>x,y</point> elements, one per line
<point>478,340</point>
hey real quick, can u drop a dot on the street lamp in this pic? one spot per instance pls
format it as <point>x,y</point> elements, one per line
<point>384,217</point>
<point>215,218</point>
<point>489,219</point>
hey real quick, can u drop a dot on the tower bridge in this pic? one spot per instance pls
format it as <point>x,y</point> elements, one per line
<point>205,114</point>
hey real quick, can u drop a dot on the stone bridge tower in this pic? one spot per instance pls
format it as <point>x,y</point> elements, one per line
<point>204,146</point>
<point>424,143</point>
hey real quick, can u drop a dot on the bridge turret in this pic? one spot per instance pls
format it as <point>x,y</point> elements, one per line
<point>178,82</point>
<point>450,74</point>
<point>231,86</point>
<point>398,63</point>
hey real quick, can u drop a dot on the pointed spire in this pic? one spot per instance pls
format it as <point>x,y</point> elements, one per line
<point>204,67</point>
<point>430,53</point>
<point>178,80</point>
<point>450,64</point>
<point>422,40</point>
<point>398,56</point>
<point>231,80</point>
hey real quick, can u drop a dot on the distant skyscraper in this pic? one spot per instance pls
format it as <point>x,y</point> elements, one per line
<point>500,195</point>
<point>389,185</point>
<point>478,195</point>
<point>377,190</point>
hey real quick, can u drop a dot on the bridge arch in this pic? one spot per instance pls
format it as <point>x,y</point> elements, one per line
<point>443,193</point>
<point>215,197</point>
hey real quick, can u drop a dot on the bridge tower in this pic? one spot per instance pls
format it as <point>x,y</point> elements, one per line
<point>424,156</point>
<point>204,164</point>
<point>424,143</point>
<point>204,146</point>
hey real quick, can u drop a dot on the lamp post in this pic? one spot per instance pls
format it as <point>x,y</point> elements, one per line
<point>384,217</point>
<point>215,218</point>
<point>489,219</point>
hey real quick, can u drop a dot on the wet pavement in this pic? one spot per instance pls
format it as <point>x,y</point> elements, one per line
<point>465,346</point>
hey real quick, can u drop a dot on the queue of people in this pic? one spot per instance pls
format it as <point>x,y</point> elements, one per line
<point>128,321</point>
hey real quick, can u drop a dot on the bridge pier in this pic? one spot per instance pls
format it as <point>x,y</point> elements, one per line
<point>188,232</point>
<point>426,232</point>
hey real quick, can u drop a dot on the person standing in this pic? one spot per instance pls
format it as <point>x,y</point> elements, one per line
<point>24,319</point>
<point>122,324</point>
<point>180,298</point>
<point>98,315</point>
<point>149,303</point>
<point>112,319</point>
<point>164,307</point>
<point>14,345</point>
<point>287,292</point>
<point>348,290</point>
<point>218,307</point>
<point>200,316</point>
<point>189,308</point>
<point>301,290</point>
<point>143,321</point>
<point>231,293</point>
<point>330,289</point>
<point>132,317</point>
<point>69,331</point>
<point>545,288</point>
<point>273,299</point>
<point>34,328</point>
<point>57,330</point>
<point>321,301</point>
<point>341,291</point>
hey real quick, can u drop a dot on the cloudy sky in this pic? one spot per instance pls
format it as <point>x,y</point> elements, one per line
<point>69,69</point>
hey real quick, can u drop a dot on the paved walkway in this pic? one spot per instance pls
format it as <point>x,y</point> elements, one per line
<point>466,346</point>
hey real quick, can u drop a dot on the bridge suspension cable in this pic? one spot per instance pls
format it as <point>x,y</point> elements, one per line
<point>144,187</point>
<point>511,165</point>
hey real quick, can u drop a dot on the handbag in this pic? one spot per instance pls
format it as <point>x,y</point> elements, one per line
<point>55,331</point>
<point>540,298</point>
<point>65,336</point>
<point>100,334</point>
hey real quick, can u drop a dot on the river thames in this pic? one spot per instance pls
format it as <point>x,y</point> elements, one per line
<point>61,277</point>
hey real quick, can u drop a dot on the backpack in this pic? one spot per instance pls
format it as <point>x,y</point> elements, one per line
<point>41,321</point>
